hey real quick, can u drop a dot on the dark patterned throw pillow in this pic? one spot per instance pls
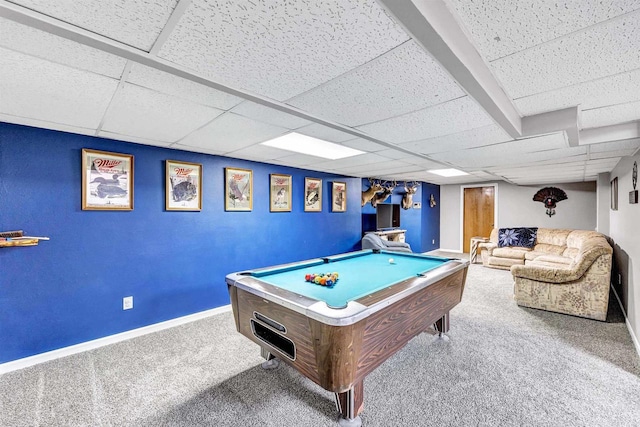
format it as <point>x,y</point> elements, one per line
<point>524,237</point>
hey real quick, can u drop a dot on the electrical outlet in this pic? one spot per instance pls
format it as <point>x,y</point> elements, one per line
<point>433,241</point>
<point>127,303</point>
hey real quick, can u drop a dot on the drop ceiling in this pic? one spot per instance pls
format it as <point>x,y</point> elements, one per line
<point>535,92</point>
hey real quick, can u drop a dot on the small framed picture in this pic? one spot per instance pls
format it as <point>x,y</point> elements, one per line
<point>238,189</point>
<point>183,187</point>
<point>280,193</point>
<point>338,197</point>
<point>107,181</point>
<point>312,195</point>
<point>614,194</point>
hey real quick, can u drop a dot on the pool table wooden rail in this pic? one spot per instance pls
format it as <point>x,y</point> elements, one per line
<point>339,357</point>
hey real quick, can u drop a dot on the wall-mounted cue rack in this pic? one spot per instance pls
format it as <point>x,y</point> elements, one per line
<point>17,238</point>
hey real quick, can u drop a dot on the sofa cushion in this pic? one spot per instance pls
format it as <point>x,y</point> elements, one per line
<point>504,262</point>
<point>513,253</point>
<point>576,237</point>
<point>554,259</point>
<point>538,263</point>
<point>522,237</point>
<point>548,249</point>
<point>531,255</point>
<point>553,236</point>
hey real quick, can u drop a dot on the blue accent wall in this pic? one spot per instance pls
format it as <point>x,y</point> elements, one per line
<point>430,217</point>
<point>69,290</point>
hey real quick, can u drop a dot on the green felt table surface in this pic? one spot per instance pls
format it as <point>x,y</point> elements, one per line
<point>359,274</point>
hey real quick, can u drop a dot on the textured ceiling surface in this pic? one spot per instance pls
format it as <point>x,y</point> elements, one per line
<point>414,85</point>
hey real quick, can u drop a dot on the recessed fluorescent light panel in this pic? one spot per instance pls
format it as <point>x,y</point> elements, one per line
<point>312,146</point>
<point>448,172</point>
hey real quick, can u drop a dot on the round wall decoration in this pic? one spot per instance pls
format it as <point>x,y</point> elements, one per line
<point>634,175</point>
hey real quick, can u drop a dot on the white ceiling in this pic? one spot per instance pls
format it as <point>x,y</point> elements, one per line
<point>546,91</point>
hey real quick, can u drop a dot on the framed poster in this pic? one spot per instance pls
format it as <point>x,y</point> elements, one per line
<point>614,194</point>
<point>238,189</point>
<point>107,180</point>
<point>338,197</point>
<point>312,195</point>
<point>279,193</point>
<point>183,186</point>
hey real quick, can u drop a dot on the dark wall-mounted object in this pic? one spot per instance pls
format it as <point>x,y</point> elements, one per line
<point>633,197</point>
<point>550,196</point>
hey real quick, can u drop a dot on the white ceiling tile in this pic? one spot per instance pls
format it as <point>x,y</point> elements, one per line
<point>280,49</point>
<point>502,27</point>
<point>424,163</point>
<point>43,45</point>
<point>259,152</point>
<point>37,123</point>
<point>362,169</point>
<point>492,154</point>
<point>298,160</point>
<point>178,146</point>
<point>172,85</point>
<point>502,154</point>
<point>443,119</point>
<point>269,115</point>
<point>611,154</point>
<point>611,115</point>
<point>39,89</point>
<point>364,145</point>
<point>231,132</point>
<point>128,138</point>
<point>472,138</point>
<point>136,23</point>
<point>553,180</point>
<point>627,144</point>
<point>141,112</point>
<point>586,55</point>
<point>611,90</point>
<point>324,132</point>
<point>361,159</point>
<point>402,80</point>
<point>392,168</point>
<point>394,154</point>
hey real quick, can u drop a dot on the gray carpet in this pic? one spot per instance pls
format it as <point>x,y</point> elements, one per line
<point>503,366</point>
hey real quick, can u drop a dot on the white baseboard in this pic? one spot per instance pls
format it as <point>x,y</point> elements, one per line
<point>458,251</point>
<point>634,338</point>
<point>111,339</point>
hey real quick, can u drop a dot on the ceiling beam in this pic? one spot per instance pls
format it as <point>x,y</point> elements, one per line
<point>565,120</point>
<point>434,27</point>
<point>610,133</point>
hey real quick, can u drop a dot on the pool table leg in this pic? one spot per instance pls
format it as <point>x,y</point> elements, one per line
<point>350,404</point>
<point>442,325</point>
<point>271,361</point>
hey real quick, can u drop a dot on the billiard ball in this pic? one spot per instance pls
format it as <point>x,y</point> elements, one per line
<point>391,261</point>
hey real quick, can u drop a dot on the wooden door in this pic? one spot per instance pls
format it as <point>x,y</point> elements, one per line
<point>479,205</point>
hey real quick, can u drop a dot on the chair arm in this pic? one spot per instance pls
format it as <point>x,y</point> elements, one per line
<point>542,273</point>
<point>489,246</point>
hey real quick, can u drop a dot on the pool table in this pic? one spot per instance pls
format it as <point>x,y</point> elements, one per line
<point>336,335</point>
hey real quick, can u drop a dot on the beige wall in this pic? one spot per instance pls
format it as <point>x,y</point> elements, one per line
<point>516,208</point>
<point>624,229</point>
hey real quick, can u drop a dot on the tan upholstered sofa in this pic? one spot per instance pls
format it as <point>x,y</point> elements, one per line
<point>566,271</point>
